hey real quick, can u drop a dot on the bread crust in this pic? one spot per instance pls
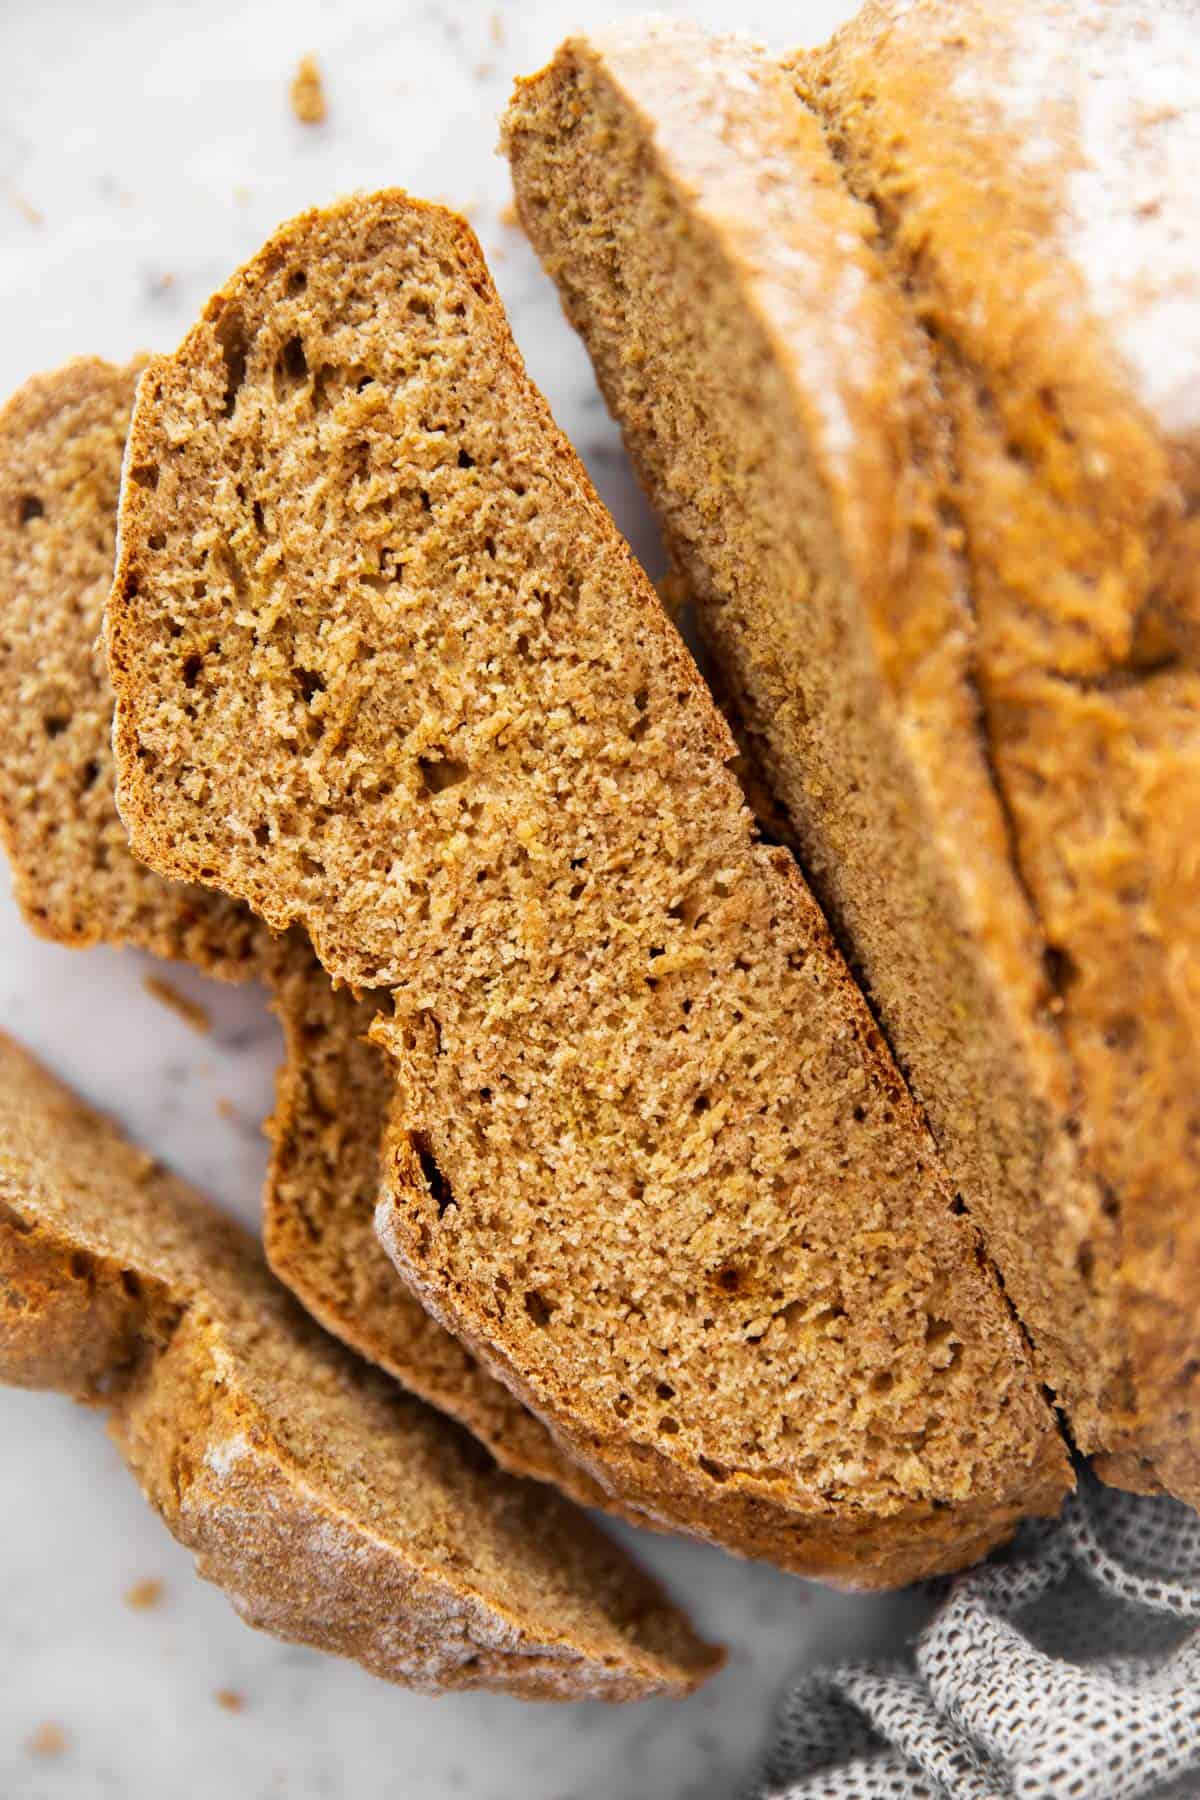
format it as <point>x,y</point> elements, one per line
<point>330,1509</point>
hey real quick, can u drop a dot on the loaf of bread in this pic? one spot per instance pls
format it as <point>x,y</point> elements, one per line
<point>332,1509</point>
<point>1033,167</point>
<point>61,442</point>
<point>385,669</point>
<point>955,603</point>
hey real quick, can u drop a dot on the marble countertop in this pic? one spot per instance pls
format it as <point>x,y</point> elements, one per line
<point>146,147</point>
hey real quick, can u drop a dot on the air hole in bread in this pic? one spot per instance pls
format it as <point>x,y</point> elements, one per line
<point>89,775</point>
<point>297,281</point>
<point>714,1470</point>
<point>55,724</point>
<point>668,1426</point>
<point>441,772</point>
<point>145,475</point>
<point>29,507</point>
<point>131,1284</point>
<point>192,666</point>
<point>439,1188</point>
<point>1060,969</point>
<point>291,369</point>
<point>310,684</point>
<point>81,1265</point>
<point>230,331</point>
<point>538,1308</point>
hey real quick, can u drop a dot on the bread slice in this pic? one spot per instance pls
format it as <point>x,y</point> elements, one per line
<point>331,1105</point>
<point>62,438</point>
<point>385,668</point>
<point>333,1510</point>
<point>981,798</point>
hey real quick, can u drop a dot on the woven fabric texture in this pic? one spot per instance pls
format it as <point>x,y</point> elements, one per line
<point>1066,1668</point>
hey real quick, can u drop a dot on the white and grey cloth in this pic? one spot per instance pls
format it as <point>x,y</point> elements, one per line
<point>1066,1668</point>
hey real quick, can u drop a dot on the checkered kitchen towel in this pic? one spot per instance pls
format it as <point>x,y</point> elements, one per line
<point>1067,1668</point>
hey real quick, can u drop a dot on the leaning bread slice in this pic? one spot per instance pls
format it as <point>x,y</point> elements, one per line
<point>331,1106</point>
<point>333,1510</point>
<point>1033,167</point>
<point>656,163</point>
<point>62,437</point>
<point>385,668</point>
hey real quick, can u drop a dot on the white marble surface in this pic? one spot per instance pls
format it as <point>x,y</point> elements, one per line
<point>144,150</point>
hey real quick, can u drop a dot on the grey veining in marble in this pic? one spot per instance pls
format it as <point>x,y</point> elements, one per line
<point>145,149</point>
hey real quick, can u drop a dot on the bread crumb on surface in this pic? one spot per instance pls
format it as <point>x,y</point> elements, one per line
<point>48,1740</point>
<point>496,27</point>
<point>510,217</point>
<point>28,211</point>
<point>308,92</point>
<point>229,1700</point>
<point>145,1594</point>
<point>190,1011</point>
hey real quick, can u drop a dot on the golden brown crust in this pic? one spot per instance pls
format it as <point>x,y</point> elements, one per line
<point>640,1096</point>
<point>1071,379</point>
<point>332,1510</point>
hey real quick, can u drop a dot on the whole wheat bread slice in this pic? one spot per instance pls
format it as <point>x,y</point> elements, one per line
<point>332,1509</point>
<point>331,1105</point>
<point>385,668</point>
<point>62,438</point>
<point>969,817</point>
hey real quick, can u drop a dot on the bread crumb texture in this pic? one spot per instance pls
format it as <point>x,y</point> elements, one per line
<point>384,667</point>
<point>332,1510</point>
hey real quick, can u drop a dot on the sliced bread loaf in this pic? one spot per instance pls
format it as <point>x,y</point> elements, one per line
<point>837,583</point>
<point>385,668</point>
<point>61,442</point>
<point>1032,166</point>
<point>332,1509</point>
